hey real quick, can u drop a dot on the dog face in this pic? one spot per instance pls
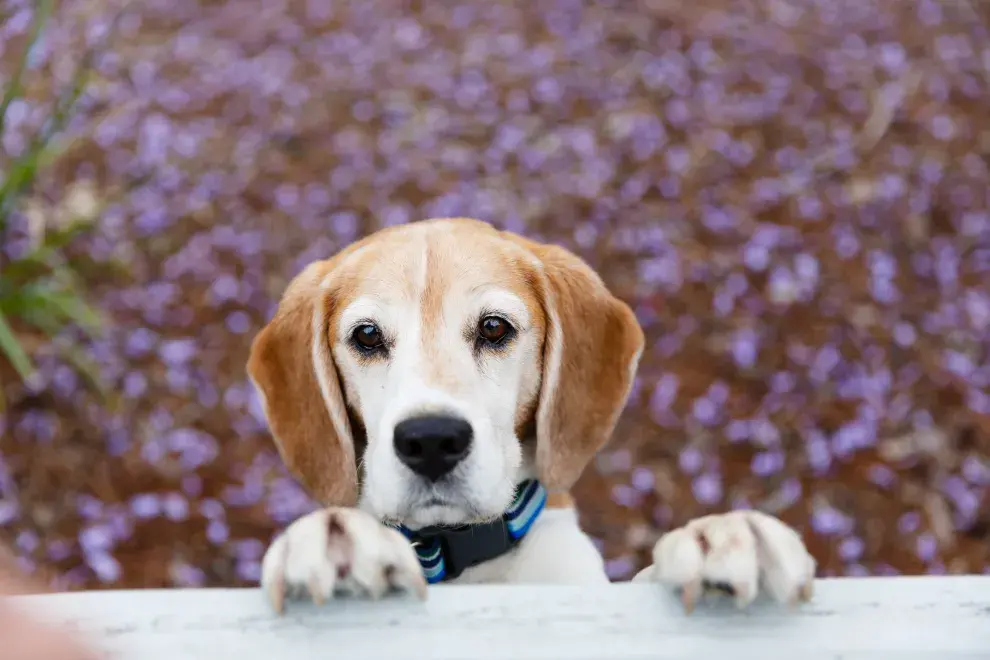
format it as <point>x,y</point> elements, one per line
<point>462,358</point>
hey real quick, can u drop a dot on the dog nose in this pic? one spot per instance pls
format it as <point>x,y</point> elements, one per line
<point>432,446</point>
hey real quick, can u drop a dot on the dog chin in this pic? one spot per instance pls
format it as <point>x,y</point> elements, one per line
<point>444,513</point>
<point>432,513</point>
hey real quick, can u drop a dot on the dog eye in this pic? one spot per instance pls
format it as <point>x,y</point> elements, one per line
<point>494,329</point>
<point>368,337</point>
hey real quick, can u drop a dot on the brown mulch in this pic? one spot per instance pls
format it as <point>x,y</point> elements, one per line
<point>792,195</point>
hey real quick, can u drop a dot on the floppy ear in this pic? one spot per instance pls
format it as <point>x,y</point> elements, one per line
<point>292,367</point>
<point>591,350</point>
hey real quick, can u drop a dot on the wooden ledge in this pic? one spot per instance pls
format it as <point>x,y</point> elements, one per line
<point>849,618</point>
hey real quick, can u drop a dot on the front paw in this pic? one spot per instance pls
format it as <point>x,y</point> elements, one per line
<point>735,553</point>
<point>339,551</point>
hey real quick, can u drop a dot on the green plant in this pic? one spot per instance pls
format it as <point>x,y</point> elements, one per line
<point>40,292</point>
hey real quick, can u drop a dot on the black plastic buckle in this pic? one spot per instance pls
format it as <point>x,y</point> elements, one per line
<point>463,547</point>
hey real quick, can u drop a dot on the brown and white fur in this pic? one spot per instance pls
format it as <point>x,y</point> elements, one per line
<point>540,405</point>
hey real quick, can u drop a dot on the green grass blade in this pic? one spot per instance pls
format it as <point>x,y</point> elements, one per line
<point>36,155</point>
<point>73,309</point>
<point>45,300</point>
<point>89,371</point>
<point>12,348</point>
<point>43,9</point>
<point>83,365</point>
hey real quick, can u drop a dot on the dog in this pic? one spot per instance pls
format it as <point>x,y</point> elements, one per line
<point>438,387</point>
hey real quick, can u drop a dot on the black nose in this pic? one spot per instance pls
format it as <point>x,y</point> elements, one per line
<point>432,446</point>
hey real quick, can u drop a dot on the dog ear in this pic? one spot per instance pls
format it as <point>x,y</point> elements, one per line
<point>292,367</point>
<point>591,351</point>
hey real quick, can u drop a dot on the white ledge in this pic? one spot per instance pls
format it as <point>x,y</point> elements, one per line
<point>903,617</point>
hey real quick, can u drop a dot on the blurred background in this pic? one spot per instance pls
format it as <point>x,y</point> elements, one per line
<point>792,194</point>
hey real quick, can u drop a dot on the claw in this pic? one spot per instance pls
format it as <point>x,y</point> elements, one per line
<point>743,596</point>
<point>419,588</point>
<point>803,594</point>
<point>690,595</point>
<point>276,594</point>
<point>397,578</point>
<point>315,592</point>
<point>277,588</point>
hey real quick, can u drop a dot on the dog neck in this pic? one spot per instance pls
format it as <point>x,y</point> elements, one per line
<point>445,552</point>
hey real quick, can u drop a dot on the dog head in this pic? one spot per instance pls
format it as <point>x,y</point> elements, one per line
<point>424,371</point>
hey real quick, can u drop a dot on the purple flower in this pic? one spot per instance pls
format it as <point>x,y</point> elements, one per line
<point>9,511</point>
<point>744,347</point>
<point>177,351</point>
<point>664,270</point>
<point>619,568</point>
<point>926,546</point>
<point>819,455</point>
<point>766,463</point>
<point>249,549</point>
<point>106,568</point>
<point>27,541</point>
<point>249,570</point>
<point>737,430</point>
<point>690,460</point>
<point>140,342</point>
<point>764,432</point>
<point>976,470</point>
<point>828,521</point>
<point>705,411</point>
<point>135,384</point>
<point>908,523</point>
<point>146,505</point>
<point>97,537</point>
<point>718,392</point>
<point>188,576</point>
<point>707,488</point>
<point>59,550</point>
<point>625,496</point>
<point>782,382</point>
<point>642,480</point>
<point>756,257</point>
<point>224,288</point>
<point>851,549</point>
<point>882,476</point>
<point>789,492</point>
<point>853,436</point>
<point>665,392</point>
<point>217,532</point>
<point>175,507</point>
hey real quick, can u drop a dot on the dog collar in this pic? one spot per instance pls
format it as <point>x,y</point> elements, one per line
<point>444,552</point>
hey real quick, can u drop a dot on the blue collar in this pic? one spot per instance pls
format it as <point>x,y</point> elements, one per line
<point>444,552</point>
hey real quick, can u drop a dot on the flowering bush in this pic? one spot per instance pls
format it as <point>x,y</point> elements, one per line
<point>40,296</point>
<point>791,194</point>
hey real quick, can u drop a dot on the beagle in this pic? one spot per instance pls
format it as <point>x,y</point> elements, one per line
<point>438,387</point>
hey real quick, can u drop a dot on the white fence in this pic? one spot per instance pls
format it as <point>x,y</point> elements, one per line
<point>917,617</point>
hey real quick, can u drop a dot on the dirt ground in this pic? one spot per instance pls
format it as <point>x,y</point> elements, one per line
<point>793,196</point>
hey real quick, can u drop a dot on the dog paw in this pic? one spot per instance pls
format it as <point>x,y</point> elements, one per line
<point>737,554</point>
<point>339,552</point>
